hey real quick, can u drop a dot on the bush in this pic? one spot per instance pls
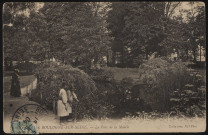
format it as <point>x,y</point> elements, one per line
<point>162,77</point>
<point>106,86</point>
<point>50,77</point>
<point>115,95</point>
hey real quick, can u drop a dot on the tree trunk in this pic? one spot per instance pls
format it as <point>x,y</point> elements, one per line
<point>11,65</point>
<point>200,52</point>
<point>63,60</point>
<point>6,64</point>
<point>108,60</point>
<point>113,58</point>
<point>95,62</point>
<point>186,54</point>
<point>122,57</point>
<point>146,54</point>
<point>194,54</point>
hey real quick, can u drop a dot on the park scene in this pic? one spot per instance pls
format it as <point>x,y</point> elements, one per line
<point>98,62</point>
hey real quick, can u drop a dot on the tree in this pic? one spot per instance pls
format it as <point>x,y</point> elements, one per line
<point>37,36</point>
<point>116,24</point>
<point>182,30</point>
<point>75,32</point>
<point>13,9</point>
<point>196,27</point>
<point>14,31</point>
<point>137,27</point>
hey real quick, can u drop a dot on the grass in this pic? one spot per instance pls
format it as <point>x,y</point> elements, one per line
<point>21,73</point>
<point>120,73</point>
<point>24,81</point>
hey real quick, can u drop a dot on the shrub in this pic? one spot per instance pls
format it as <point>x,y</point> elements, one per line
<point>114,94</point>
<point>163,76</point>
<point>106,87</point>
<point>51,75</point>
<point>188,102</point>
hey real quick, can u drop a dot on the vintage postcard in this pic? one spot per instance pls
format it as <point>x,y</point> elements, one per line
<point>104,67</point>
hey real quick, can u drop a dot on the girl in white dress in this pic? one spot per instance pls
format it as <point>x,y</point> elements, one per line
<point>63,106</point>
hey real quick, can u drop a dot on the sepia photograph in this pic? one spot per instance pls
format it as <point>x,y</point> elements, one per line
<point>104,67</point>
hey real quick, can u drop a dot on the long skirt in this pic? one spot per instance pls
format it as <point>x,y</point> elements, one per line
<point>15,90</point>
<point>63,110</point>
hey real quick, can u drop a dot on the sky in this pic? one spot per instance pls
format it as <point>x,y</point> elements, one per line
<point>187,6</point>
<point>183,6</point>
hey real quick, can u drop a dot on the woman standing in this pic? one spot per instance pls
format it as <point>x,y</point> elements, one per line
<point>15,84</point>
<point>63,107</point>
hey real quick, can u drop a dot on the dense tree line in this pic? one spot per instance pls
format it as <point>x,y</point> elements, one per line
<point>81,33</point>
<point>149,27</point>
<point>71,32</point>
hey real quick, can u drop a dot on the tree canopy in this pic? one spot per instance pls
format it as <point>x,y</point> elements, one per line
<point>81,33</point>
<point>149,27</point>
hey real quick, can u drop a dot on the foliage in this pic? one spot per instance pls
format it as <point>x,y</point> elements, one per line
<point>16,44</point>
<point>196,27</point>
<point>149,30</point>
<point>144,25</point>
<point>115,94</point>
<point>107,88</point>
<point>50,77</point>
<point>156,24</point>
<point>37,32</point>
<point>32,32</point>
<point>25,66</point>
<point>13,9</point>
<point>15,36</point>
<point>186,31</point>
<point>163,77</point>
<point>80,36</point>
<point>191,100</point>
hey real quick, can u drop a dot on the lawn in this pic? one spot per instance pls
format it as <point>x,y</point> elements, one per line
<point>120,73</point>
<point>24,81</point>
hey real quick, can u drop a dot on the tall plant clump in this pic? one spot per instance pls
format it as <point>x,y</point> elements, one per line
<point>163,77</point>
<point>50,77</point>
<point>107,88</point>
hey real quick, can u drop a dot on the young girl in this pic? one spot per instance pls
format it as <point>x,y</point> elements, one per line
<point>63,107</point>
